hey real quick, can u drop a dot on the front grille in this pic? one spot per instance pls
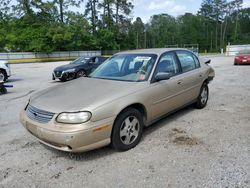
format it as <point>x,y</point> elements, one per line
<point>38,115</point>
<point>58,73</point>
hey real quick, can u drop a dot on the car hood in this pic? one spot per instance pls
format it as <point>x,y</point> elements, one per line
<point>82,94</point>
<point>66,67</point>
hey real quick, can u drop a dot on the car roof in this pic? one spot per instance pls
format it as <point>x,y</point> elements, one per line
<point>157,51</point>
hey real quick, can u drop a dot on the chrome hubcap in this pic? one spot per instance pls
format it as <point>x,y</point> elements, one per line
<point>204,95</point>
<point>129,130</point>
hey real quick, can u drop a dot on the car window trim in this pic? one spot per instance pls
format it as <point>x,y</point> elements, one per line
<point>186,51</point>
<point>153,80</point>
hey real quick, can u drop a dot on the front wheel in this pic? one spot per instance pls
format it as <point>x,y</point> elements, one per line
<point>80,73</point>
<point>3,76</point>
<point>3,90</point>
<point>127,130</point>
<point>203,96</point>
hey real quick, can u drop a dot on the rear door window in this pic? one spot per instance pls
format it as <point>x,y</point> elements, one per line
<point>188,61</point>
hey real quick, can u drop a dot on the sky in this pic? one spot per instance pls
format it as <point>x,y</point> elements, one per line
<point>147,8</point>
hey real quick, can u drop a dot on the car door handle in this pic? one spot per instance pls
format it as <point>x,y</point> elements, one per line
<point>179,82</point>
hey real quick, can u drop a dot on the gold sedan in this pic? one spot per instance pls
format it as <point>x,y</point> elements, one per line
<point>129,91</point>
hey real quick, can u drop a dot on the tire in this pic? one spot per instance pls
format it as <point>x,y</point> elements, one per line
<point>62,79</point>
<point>203,96</point>
<point>127,130</point>
<point>67,77</point>
<point>3,90</point>
<point>3,75</point>
<point>80,73</point>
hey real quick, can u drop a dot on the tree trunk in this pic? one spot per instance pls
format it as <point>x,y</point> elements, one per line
<point>109,15</point>
<point>104,13</point>
<point>221,32</point>
<point>94,11</point>
<point>216,36</point>
<point>211,44</point>
<point>224,32</point>
<point>236,27</point>
<point>93,15</point>
<point>61,10</point>
<point>117,12</point>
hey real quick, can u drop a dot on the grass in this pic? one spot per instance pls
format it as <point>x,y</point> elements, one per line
<point>33,60</point>
<point>51,59</point>
<point>204,54</point>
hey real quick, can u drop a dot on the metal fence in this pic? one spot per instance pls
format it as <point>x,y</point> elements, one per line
<point>236,49</point>
<point>30,55</point>
<point>192,47</point>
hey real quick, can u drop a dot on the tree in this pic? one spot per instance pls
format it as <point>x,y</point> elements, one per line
<point>214,10</point>
<point>138,30</point>
<point>162,30</point>
<point>63,5</point>
<point>92,14</point>
<point>123,8</point>
<point>48,25</point>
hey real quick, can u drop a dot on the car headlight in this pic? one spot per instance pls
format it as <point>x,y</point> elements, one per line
<point>70,70</point>
<point>73,117</point>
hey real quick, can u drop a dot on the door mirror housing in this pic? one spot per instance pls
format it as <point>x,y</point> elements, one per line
<point>208,61</point>
<point>163,76</point>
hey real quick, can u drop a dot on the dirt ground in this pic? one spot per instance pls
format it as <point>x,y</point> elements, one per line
<point>191,148</point>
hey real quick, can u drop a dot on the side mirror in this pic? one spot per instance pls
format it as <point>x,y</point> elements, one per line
<point>163,76</point>
<point>208,61</point>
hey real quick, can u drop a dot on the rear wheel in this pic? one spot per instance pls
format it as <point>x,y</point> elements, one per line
<point>203,96</point>
<point>127,130</point>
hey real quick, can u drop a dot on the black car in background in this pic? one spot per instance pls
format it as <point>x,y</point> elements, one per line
<point>80,67</point>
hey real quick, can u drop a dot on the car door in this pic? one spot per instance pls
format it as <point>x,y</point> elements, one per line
<point>192,76</point>
<point>166,94</point>
<point>95,63</point>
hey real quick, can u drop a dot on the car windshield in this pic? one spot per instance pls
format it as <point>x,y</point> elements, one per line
<point>126,67</point>
<point>81,60</point>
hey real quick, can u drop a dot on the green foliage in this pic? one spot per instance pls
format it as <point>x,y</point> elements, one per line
<point>48,25</point>
<point>105,40</point>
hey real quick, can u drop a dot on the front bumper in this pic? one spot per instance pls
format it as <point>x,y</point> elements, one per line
<point>8,72</point>
<point>70,138</point>
<point>63,75</point>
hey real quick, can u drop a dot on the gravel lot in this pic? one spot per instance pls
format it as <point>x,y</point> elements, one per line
<point>191,148</point>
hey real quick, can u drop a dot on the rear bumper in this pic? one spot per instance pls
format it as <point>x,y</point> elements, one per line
<point>241,62</point>
<point>89,137</point>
